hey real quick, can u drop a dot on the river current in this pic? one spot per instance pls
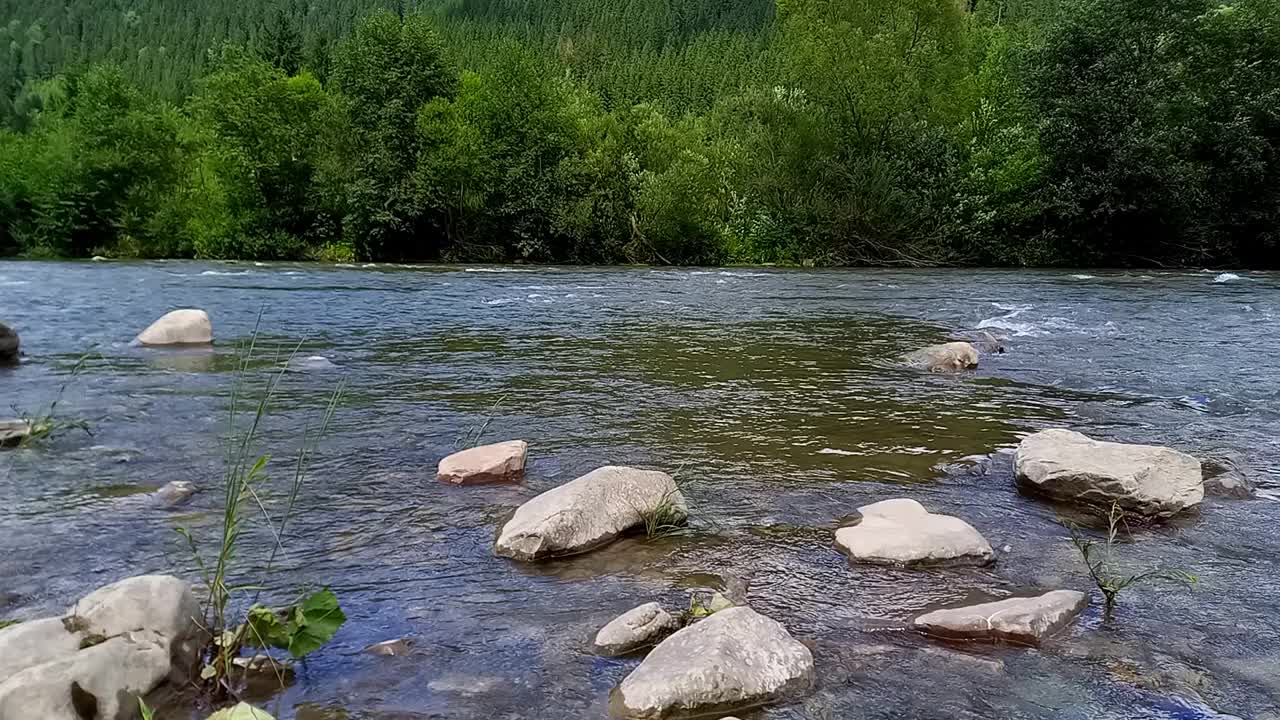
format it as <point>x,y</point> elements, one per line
<point>775,397</point>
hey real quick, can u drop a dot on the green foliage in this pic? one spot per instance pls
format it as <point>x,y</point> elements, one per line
<point>8,623</point>
<point>902,132</point>
<point>301,628</point>
<point>241,711</point>
<point>1105,570</point>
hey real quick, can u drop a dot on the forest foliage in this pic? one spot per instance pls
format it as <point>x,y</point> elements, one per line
<point>906,132</point>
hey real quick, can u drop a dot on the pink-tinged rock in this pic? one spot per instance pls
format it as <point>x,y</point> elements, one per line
<point>500,462</point>
<point>1021,620</point>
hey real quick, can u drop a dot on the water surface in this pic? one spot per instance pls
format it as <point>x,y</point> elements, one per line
<point>775,397</point>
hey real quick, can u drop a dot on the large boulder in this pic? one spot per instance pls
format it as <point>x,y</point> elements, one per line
<point>734,659</point>
<point>1026,621</point>
<point>35,642</point>
<point>589,512</point>
<point>902,532</point>
<point>634,629</point>
<point>499,462</point>
<point>100,681</point>
<point>945,358</point>
<point>158,603</point>
<point>180,327</point>
<point>1144,479</point>
<point>9,345</point>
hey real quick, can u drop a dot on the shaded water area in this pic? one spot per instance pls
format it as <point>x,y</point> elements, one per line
<point>775,396</point>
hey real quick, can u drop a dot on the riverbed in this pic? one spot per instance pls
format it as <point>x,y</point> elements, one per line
<point>773,395</point>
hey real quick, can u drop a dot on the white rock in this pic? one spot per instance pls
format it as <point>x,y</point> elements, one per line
<point>159,603</point>
<point>1018,620</point>
<point>175,492</point>
<point>109,675</point>
<point>902,532</point>
<point>180,327</point>
<point>945,358</point>
<point>588,512</point>
<point>1145,479</point>
<point>35,642</point>
<point>634,629</point>
<point>499,462</point>
<point>735,658</point>
<point>13,432</point>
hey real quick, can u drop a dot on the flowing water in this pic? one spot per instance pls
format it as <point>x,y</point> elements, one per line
<point>775,396</point>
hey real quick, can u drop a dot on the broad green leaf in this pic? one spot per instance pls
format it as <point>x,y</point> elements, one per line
<point>266,629</point>
<point>243,711</point>
<point>316,619</point>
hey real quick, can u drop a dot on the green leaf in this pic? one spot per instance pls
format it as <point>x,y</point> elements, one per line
<point>267,629</point>
<point>316,619</point>
<point>243,711</point>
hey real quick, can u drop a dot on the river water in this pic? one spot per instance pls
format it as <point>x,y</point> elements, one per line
<point>773,394</point>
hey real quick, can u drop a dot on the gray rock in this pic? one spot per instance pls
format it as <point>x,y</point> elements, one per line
<point>1226,477</point>
<point>108,676</point>
<point>159,603</point>
<point>180,327</point>
<point>175,493</point>
<point>945,358</point>
<point>634,629</point>
<point>1025,621</point>
<point>13,432</point>
<point>10,345</point>
<point>589,512</point>
<point>1145,479</point>
<point>311,363</point>
<point>902,532</point>
<point>36,642</point>
<point>736,658</point>
<point>390,648</point>
<point>499,462</point>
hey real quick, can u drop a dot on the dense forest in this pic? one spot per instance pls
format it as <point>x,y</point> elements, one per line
<point>906,132</point>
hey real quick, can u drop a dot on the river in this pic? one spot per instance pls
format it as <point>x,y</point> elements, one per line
<point>775,396</point>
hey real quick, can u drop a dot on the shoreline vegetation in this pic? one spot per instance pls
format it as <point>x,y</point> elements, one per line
<point>1078,133</point>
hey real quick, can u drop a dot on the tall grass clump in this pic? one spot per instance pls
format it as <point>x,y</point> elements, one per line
<point>1105,571</point>
<point>310,621</point>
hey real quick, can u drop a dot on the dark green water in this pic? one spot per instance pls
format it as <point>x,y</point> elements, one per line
<point>774,394</point>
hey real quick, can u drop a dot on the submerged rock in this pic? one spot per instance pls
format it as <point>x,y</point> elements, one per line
<point>736,658</point>
<point>311,363</point>
<point>13,432</point>
<point>390,648</point>
<point>10,345</point>
<point>1026,620</point>
<point>1226,477</point>
<point>100,681</point>
<point>499,462</point>
<point>902,532</point>
<point>180,327</point>
<point>1145,479</point>
<point>589,512</point>
<point>634,629</point>
<point>175,493</point>
<point>945,358</point>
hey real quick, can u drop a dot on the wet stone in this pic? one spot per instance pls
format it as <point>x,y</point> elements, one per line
<point>1022,620</point>
<point>902,532</point>
<point>390,648</point>
<point>499,462</point>
<point>637,628</point>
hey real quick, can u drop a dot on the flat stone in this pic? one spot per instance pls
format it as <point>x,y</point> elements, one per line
<point>180,327</point>
<point>1144,479</point>
<point>949,357</point>
<point>499,462</point>
<point>108,676</point>
<point>34,643</point>
<point>636,628</point>
<point>1024,620</point>
<point>902,532</point>
<point>588,512</point>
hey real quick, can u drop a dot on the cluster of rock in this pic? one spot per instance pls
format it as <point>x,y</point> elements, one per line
<point>113,646</point>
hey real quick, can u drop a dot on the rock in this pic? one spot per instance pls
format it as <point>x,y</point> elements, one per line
<point>500,462</point>
<point>175,493</point>
<point>589,512</point>
<point>1145,479</point>
<point>985,342</point>
<point>312,363</point>
<point>180,327</point>
<point>945,358</point>
<point>634,629</point>
<point>262,674</point>
<point>106,677</point>
<point>13,432</point>
<point>36,642</point>
<point>1225,477</point>
<point>1025,620</point>
<point>733,659</point>
<point>10,345</point>
<point>159,603</point>
<point>391,648</point>
<point>902,532</point>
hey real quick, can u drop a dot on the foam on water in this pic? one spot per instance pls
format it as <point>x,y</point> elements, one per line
<point>1226,277</point>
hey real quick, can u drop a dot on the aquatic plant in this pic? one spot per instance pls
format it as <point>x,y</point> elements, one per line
<point>6,623</point>
<point>45,424</point>
<point>1104,570</point>
<point>303,626</point>
<point>669,516</point>
<point>145,710</point>
<point>471,435</point>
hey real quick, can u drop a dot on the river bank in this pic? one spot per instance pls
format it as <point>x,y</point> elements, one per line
<point>776,392</point>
